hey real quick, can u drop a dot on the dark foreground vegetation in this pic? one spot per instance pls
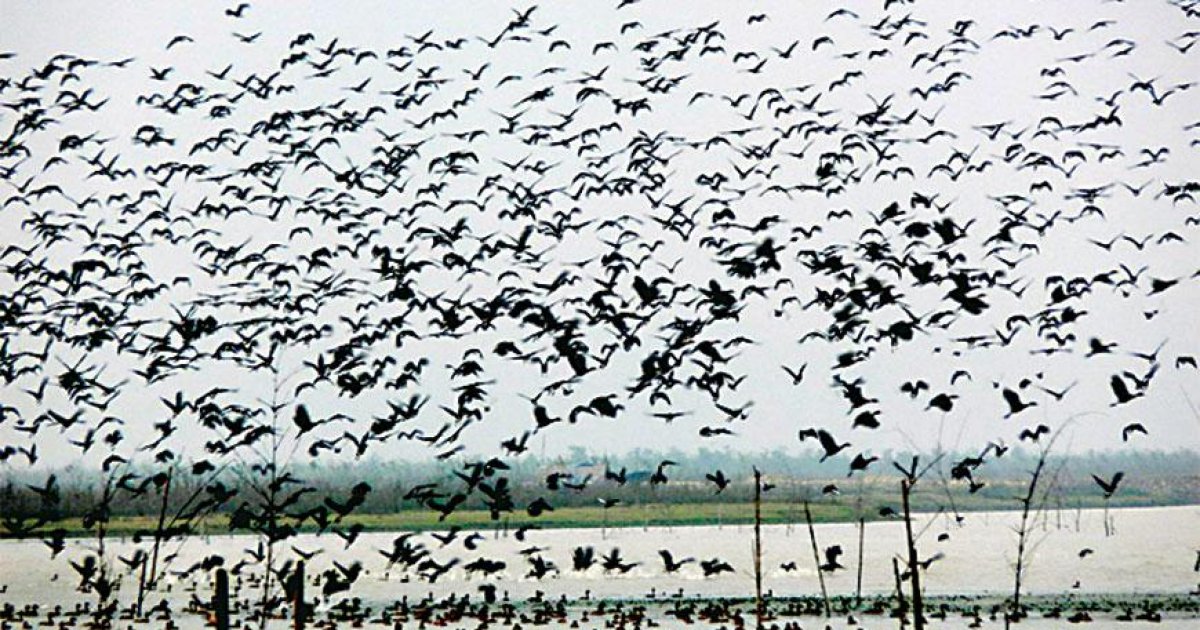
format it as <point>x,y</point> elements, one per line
<point>783,613</point>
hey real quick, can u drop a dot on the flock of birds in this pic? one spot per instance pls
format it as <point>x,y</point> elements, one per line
<point>459,611</point>
<point>658,609</point>
<point>346,249</point>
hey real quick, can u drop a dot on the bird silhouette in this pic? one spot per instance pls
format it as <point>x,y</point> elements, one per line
<point>670,564</point>
<point>1110,486</point>
<point>831,563</point>
<point>380,250</point>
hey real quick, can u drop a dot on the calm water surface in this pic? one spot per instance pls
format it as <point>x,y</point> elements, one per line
<point>1153,550</point>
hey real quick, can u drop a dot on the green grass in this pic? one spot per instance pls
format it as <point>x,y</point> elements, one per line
<point>644,515</point>
<point>654,514</point>
<point>683,507</point>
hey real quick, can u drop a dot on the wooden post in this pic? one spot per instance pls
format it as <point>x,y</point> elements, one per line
<point>141,587</point>
<point>158,530</point>
<point>812,537</point>
<point>862,530</point>
<point>914,566</point>
<point>646,510</point>
<point>903,605</point>
<point>221,600</point>
<point>758,599</point>
<point>298,612</point>
<point>1023,536</point>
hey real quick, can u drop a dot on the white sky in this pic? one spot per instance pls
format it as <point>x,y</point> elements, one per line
<point>1006,77</point>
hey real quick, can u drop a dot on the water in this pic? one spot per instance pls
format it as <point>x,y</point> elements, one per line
<point>1152,550</point>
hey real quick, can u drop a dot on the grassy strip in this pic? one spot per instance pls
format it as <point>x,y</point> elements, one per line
<point>648,515</point>
<point>645,515</point>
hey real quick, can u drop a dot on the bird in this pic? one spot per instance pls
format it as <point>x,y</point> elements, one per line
<point>868,419</point>
<point>179,39</point>
<point>604,228</point>
<point>538,507</point>
<point>612,562</point>
<point>715,566</point>
<point>1015,404</point>
<point>1131,428</point>
<point>860,463</point>
<point>797,375</point>
<point>660,476</point>
<point>914,388</point>
<point>1121,391</point>
<point>831,563</point>
<point>1034,434</point>
<point>943,402</point>
<point>829,444</point>
<point>582,558</point>
<point>1110,486</point>
<point>719,480</point>
<point>670,564</point>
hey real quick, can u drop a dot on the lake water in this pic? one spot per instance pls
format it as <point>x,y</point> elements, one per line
<point>1151,550</point>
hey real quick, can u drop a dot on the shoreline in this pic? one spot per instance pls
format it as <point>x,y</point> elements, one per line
<point>628,517</point>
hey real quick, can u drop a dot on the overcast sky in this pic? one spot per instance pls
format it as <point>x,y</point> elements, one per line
<point>1007,80</point>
